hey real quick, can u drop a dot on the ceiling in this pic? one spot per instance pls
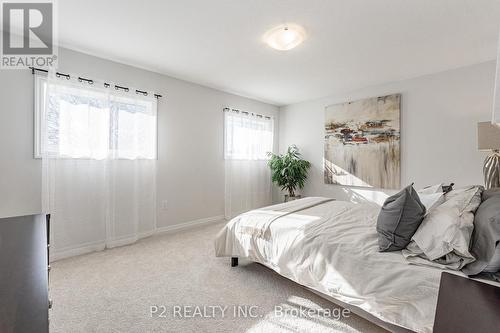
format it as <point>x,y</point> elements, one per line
<point>350,44</point>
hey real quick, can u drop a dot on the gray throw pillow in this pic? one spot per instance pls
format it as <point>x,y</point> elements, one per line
<point>486,235</point>
<point>399,219</point>
<point>492,192</point>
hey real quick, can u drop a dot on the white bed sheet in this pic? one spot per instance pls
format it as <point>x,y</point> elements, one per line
<point>332,248</point>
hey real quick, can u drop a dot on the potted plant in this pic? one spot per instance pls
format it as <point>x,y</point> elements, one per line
<point>289,171</point>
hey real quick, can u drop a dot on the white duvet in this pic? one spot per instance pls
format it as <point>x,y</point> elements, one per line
<point>331,247</point>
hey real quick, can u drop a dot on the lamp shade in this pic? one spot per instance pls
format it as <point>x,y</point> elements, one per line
<point>488,136</point>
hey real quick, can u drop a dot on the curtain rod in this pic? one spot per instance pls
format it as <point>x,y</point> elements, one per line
<point>90,81</point>
<point>247,113</point>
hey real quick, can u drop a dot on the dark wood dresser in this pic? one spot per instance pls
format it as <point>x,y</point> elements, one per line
<point>467,306</point>
<point>24,250</point>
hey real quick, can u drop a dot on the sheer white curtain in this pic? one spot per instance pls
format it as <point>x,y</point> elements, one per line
<point>247,140</point>
<point>98,149</point>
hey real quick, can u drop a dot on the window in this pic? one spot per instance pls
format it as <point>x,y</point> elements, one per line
<point>73,120</point>
<point>247,136</point>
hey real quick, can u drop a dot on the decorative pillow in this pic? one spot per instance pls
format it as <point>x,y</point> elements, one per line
<point>438,188</point>
<point>494,265</point>
<point>444,235</point>
<point>486,238</point>
<point>431,196</point>
<point>492,192</point>
<point>398,219</point>
<point>447,188</point>
<point>431,201</point>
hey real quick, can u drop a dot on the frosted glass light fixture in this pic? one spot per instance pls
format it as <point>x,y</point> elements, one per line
<point>285,37</point>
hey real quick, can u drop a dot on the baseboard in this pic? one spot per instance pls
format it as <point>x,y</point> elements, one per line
<point>189,225</point>
<point>70,251</point>
<point>58,254</point>
<point>125,240</point>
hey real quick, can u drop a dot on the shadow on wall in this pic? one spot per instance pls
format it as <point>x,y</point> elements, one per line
<point>359,195</point>
<point>315,186</point>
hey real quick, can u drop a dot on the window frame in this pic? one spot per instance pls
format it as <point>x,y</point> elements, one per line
<point>39,86</point>
<point>248,115</point>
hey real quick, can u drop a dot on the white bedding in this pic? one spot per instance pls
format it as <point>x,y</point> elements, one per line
<point>331,247</point>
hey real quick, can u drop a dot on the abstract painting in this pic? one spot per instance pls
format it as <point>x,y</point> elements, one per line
<point>362,143</point>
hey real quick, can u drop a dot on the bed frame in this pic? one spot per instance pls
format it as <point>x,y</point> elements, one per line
<point>354,309</point>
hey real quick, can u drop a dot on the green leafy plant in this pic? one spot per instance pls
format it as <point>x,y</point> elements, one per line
<point>289,170</point>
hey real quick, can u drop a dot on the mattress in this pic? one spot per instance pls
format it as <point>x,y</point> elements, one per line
<point>331,247</point>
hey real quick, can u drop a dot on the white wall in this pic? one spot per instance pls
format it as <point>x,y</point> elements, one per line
<point>439,116</point>
<point>190,138</point>
<point>439,113</point>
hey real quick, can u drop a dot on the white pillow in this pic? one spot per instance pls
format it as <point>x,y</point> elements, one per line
<point>447,229</point>
<point>431,201</point>
<point>431,196</point>
<point>438,188</point>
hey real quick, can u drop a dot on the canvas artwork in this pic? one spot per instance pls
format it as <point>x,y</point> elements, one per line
<point>362,143</point>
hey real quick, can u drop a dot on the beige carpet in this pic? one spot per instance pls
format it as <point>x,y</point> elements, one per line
<point>113,291</point>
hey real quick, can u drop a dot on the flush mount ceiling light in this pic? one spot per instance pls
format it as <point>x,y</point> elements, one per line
<point>285,37</point>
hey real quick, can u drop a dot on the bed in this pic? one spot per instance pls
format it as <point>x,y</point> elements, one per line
<point>330,247</point>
